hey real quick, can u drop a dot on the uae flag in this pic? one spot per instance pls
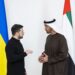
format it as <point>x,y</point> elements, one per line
<point>69,34</point>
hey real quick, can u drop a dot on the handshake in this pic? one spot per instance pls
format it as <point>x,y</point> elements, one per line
<point>43,58</point>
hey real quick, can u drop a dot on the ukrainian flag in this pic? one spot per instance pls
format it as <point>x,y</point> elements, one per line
<point>3,39</point>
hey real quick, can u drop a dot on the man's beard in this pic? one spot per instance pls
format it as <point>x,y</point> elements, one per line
<point>20,37</point>
<point>47,32</point>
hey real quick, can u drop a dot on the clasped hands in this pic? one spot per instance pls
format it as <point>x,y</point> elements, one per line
<point>43,58</point>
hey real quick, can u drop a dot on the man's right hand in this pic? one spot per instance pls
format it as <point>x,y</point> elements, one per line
<point>41,58</point>
<point>29,52</point>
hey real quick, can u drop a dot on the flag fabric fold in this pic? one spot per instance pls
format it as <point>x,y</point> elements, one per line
<point>68,33</point>
<point>3,39</point>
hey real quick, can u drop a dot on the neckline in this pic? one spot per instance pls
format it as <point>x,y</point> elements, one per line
<point>15,39</point>
<point>53,34</point>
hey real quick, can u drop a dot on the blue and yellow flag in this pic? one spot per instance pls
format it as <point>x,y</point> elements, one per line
<point>3,39</point>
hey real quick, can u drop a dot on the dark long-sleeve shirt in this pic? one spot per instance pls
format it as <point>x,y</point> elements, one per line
<point>15,57</point>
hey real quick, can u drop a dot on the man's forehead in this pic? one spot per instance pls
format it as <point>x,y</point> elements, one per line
<point>21,29</point>
<point>46,25</point>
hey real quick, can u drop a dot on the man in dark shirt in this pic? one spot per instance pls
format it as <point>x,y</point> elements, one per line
<point>54,58</point>
<point>15,52</point>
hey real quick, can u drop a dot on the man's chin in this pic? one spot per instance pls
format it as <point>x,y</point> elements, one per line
<point>47,32</point>
<point>20,37</point>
